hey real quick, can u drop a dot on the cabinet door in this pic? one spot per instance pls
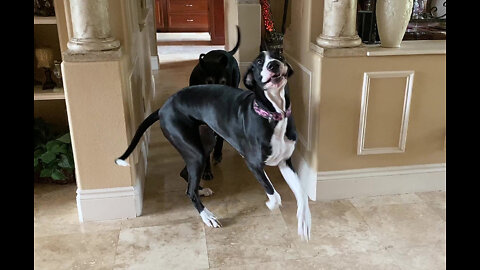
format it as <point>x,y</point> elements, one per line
<point>187,6</point>
<point>188,21</point>
<point>216,22</point>
<point>159,18</point>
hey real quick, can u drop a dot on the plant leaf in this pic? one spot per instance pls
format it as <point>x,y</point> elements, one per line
<point>46,173</point>
<point>37,153</point>
<point>48,157</point>
<point>58,175</point>
<point>65,138</point>
<point>35,162</point>
<point>52,144</point>
<point>63,149</point>
<point>64,162</point>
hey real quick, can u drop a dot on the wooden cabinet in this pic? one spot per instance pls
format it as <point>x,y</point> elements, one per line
<point>182,15</point>
<point>191,16</point>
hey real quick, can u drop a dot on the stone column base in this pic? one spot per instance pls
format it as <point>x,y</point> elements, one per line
<point>338,42</point>
<point>82,45</point>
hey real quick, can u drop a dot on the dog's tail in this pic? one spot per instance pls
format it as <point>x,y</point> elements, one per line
<point>152,118</point>
<point>234,50</point>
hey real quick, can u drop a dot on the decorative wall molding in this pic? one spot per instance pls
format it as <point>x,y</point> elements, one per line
<point>304,139</point>
<point>361,150</point>
<point>110,203</point>
<point>343,184</point>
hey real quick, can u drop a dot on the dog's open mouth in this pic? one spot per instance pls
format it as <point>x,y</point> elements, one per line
<point>276,78</point>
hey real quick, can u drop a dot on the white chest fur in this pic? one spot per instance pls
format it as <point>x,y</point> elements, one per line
<point>282,147</point>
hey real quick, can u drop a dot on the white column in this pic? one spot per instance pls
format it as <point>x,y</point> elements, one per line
<point>339,24</point>
<point>91,27</point>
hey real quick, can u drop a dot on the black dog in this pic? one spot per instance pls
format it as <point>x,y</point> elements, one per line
<point>257,123</point>
<point>216,67</point>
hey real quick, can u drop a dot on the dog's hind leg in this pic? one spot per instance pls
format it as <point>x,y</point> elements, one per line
<point>217,151</point>
<point>201,191</point>
<point>274,199</point>
<point>207,136</point>
<point>195,168</point>
<point>189,145</point>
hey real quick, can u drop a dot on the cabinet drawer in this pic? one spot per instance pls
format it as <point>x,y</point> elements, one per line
<point>188,20</point>
<point>187,6</point>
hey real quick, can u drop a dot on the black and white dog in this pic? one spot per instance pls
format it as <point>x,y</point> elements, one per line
<point>215,67</point>
<point>257,123</point>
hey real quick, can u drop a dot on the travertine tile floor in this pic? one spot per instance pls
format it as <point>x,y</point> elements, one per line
<point>405,231</point>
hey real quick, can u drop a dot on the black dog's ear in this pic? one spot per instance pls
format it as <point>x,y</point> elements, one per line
<point>289,70</point>
<point>249,80</point>
<point>201,61</point>
<point>223,60</point>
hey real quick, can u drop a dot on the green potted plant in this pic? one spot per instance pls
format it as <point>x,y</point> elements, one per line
<point>52,156</point>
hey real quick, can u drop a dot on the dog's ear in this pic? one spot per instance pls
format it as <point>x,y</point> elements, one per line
<point>289,70</point>
<point>249,80</point>
<point>223,60</point>
<point>201,61</point>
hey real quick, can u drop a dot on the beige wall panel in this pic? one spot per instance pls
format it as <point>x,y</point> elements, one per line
<point>96,115</point>
<point>317,21</point>
<point>231,21</point>
<point>385,111</point>
<point>300,87</point>
<point>340,106</point>
<point>249,20</point>
<point>61,23</point>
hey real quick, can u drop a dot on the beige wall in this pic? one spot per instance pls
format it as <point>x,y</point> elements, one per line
<point>231,21</point>
<point>338,126</point>
<point>304,85</point>
<point>96,123</point>
<point>326,100</point>
<point>250,25</point>
<point>108,98</point>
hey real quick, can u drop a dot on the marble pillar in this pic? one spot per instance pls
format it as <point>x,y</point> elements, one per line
<point>91,27</point>
<point>339,24</point>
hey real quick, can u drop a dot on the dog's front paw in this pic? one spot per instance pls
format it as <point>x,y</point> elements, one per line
<point>304,221</point>
<point>209,219</point>
<point>205,192</point>
<point>274,201</point>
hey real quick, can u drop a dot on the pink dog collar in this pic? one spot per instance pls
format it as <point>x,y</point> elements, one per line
<point>271,115</point>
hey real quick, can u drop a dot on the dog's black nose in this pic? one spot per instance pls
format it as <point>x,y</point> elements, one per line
<point>273,66</point>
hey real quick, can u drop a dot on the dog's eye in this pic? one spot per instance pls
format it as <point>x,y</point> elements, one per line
<point>209,80</point>
<point>222,81</point>
<point>260,62</point>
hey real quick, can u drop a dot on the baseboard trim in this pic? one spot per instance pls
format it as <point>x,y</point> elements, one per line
<point>380,181</point>
<point>109,203</point>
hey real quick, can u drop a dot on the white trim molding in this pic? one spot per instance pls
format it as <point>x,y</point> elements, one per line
<point>305,140</point>
<point>361,150</point>
<point>109,203</point>
<point>344,184</point>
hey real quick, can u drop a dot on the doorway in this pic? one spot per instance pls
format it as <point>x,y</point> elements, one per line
<point>188,28</point>
<point>189,22</point>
